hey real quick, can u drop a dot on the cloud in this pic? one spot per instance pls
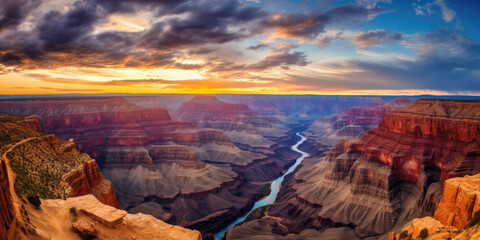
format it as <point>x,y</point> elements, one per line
<point>325,39</point>
<point>309,25</point>
<point>258,46</point>
<point>448,14</point>
<point>281,56</point>
<point>13,12</point>
<point>445,60</point>
<point>374,37</point>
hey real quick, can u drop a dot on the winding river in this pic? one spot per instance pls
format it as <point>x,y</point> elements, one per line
<point>275,188</point>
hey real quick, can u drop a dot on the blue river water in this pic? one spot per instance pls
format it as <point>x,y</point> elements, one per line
<point>275,188</point>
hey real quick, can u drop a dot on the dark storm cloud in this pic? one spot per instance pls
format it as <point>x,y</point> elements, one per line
<point>13,12</point>
<point>67,32</point>
<point>374,37</point>
<point>207,22</point>
<point>69,38</point>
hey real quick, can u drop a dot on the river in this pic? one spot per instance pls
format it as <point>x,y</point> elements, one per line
<point>275,188</point>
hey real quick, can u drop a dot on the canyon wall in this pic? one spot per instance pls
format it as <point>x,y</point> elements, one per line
<point>7,212</point>
<point>384,178</point>
<point>351,122</point>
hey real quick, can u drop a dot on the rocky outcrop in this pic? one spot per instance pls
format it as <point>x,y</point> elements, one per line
<point>47,162</point>
<point>32,121</point>
<point>461,200</point>
<point>55,218</point>
<point>87,180</point>
<point>378,181</point>
<point>457,209</point>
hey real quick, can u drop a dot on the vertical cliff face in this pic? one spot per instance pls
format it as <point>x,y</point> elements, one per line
<point>461,200</point>
<point>6,205</point>
<point>384,178</point>
<point>86,179</point>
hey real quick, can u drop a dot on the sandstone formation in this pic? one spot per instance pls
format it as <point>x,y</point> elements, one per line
<point>461,200</point>
<point>381,180</point>
<point>55,219</point>
<point>456,211</point>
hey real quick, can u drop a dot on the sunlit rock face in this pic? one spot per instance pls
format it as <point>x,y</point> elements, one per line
<point>386,177</point>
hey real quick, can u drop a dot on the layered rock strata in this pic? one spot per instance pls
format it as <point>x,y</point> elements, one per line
<point>351,122</point>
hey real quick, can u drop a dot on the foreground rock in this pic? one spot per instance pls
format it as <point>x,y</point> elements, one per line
<point>455,215</point>
<point>94,218</point>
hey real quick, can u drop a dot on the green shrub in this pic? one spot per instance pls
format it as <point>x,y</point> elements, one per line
<point>266,190</point>
<point>73,211</point>
<point>35,201</point>
<point>475,220</point>
<point>403,234</point>
<point>423,233</point>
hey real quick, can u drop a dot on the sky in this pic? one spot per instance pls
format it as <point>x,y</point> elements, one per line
<point>371,47</point>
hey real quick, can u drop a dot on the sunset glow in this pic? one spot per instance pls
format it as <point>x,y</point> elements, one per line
<point>277,47</point>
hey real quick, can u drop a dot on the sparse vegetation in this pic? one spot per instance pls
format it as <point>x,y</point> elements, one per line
<point>475,220</point>
<point>266,190</point>
<point>39,164</point>
<point>73,211</point>
<point>35,201</point>
<point>423,233</point>
<point>403,234</point>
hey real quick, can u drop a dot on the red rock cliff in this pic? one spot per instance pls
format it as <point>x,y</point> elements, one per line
<point>88,180</point>
<point>6,205</point>
<point>461,199</point>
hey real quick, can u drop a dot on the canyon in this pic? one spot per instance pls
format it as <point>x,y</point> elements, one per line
<point>378,182</point>
<point>201,162</point>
